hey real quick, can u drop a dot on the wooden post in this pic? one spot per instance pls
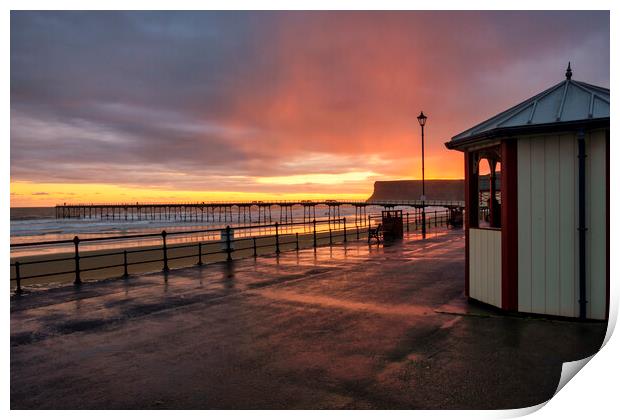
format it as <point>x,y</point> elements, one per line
<point>344,220</point>
<point>296,241</point>
<point>510,229</point>
<point>254,243</point>
<point>471,206</point>
<point>407,215</point>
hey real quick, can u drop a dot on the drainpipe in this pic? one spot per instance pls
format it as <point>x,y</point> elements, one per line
<point>582,223</point>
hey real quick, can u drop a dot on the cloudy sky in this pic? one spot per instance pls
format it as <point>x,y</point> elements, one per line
<point>109,106</point>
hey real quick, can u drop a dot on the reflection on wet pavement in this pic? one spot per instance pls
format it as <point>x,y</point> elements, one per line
<point>354,327</point>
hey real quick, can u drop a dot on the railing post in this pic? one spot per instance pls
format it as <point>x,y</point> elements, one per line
<point>277,239</point>
<point>296,241</point>
<point>344,220</point>
<point>407,222</point>
<point>125,271</point>
<point>165,249</point>
<point>228,245</point>
<point>254,246</point>
<point>314,231</point>
<point>423,220</point>
<point>76,242</point>
<point>199,253</point>
<point>18,279</point>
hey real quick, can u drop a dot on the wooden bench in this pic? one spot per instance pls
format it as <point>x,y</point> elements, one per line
<point>376,233</point>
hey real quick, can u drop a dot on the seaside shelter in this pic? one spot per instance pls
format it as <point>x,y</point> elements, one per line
<point>538,241</point>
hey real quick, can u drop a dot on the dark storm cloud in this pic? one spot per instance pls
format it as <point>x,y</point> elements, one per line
<point>142,97</point>
<point>124,88</point>
<point>177,60</point>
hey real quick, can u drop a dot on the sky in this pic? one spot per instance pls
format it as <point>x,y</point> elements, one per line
<point>198,106</point>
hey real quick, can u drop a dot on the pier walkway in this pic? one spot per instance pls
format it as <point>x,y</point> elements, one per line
<point>342,327</point>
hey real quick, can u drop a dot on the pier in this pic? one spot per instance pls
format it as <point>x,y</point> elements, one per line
<point>239,211</point>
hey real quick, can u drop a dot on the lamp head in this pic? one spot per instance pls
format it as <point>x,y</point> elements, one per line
<point>422,119</point>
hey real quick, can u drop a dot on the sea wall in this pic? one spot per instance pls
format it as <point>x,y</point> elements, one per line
<point>436,189</point>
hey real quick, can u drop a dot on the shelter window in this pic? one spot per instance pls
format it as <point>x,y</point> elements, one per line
<point>488,180</point>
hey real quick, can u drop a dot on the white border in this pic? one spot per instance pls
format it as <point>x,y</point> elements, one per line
<point>592,393</point>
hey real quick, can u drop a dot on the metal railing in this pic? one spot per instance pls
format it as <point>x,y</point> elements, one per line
<point>436,218</point>
<point>330,232</point>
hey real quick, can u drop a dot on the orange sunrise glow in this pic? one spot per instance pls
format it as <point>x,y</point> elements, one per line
<point>263,105</point>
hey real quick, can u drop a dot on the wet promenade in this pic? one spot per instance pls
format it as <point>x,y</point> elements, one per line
<point>378,327</point>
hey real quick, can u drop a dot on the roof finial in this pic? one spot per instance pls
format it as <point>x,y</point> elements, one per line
<point>569,72</point>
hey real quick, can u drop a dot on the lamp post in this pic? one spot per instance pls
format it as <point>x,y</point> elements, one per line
<point>422,120</point>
